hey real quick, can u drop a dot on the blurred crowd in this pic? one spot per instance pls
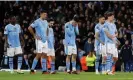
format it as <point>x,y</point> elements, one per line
<point>62,12</point>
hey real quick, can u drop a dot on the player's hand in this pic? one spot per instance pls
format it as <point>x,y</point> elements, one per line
<point>104,57</point>
<point>102,43</point>
<point>6,46</point>
<point>37,37</point>
<point>78,39</point>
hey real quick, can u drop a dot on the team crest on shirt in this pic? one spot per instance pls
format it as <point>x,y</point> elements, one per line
<point>15,29</point>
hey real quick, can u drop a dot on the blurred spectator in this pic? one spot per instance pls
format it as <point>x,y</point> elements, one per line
<point>89,46</point>
<point>90,60</point>
<point>62,12</point>
<point>1,48</point>
<point>80,55</point>
<point>61,61</point>
<point>126,55</point>
<point>83,63</point>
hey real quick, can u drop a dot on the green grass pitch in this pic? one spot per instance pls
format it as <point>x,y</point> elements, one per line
<point>64,76</point>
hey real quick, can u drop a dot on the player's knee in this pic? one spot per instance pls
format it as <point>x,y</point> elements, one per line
<point>74,56</point>
<point>53,58</point>
<point>44,56</point>
<point>115,59</point>
<point>38,56</point>
<point>68,58</point>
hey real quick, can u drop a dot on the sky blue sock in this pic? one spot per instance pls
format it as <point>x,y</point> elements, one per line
<point>19,62</point>
<point>11,63</point>
<point>112,64</point>
<point>34,64</point>
<point>97,60</point>
<point>103,67</point>
<point>44,65</point>
<point>26,61</point>
<point>52,66</point>
<point>74,64</point>
<point>68,65</point>
<point>97,64</point>
<point>108,63</point>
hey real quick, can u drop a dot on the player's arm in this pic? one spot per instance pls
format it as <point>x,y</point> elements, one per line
<point>76,30</point>
<point>97,37</point>
<point>67,30</point>
<point>22,40</point>
<point>107,33</point>
<point>31,31</point>
<point>30,28</point>
<point>116,32</point>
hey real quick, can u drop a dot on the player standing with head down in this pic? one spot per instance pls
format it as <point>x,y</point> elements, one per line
<point>12,43</point>
<point>51,50</point>
<point>40,35</point>
<point>71,30</point>
<point>99,40</point>
<point>110,41</point>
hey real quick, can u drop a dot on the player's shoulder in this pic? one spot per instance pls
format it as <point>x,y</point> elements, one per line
<point>105,24</point>
<point>17,24</point>
<point>8,25</point>
<point>37,20</point>
<point>97,26</point>
<point>67,24</point>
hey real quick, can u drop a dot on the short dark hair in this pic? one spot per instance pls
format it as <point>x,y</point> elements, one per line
<point>43,11</point>
<point>50,19</point>
<point>109,14</point>
<point>100,16</point>
<point>76,18</point>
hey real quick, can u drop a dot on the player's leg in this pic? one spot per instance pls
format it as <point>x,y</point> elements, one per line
<point>38,55</point>
<point>97,62</point>
<point>74,63</point>
<point>44,58</point>
<point>18,52</point>
<point>67,49</point>
<point>74,56</point>
<point>104,57</point>
<point>109,58</point>
<point>10,54</point>
<point>68,63</point>
<point>115,58</point>
<point>52,54</point>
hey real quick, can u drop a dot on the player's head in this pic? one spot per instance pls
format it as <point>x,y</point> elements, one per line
<point>110,16</point>
<point>75,20</point>
<point>43,14</point>
<point>12,19</point>
<point>51,22</point>
<point>101,19</point>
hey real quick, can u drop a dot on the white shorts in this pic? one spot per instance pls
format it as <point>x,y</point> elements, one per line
<point>51,52</point>
<point>111,48</point>
<point>14,51</point>
<point>41,47</point>
<point>103,50</point>
<point>69,50</point>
